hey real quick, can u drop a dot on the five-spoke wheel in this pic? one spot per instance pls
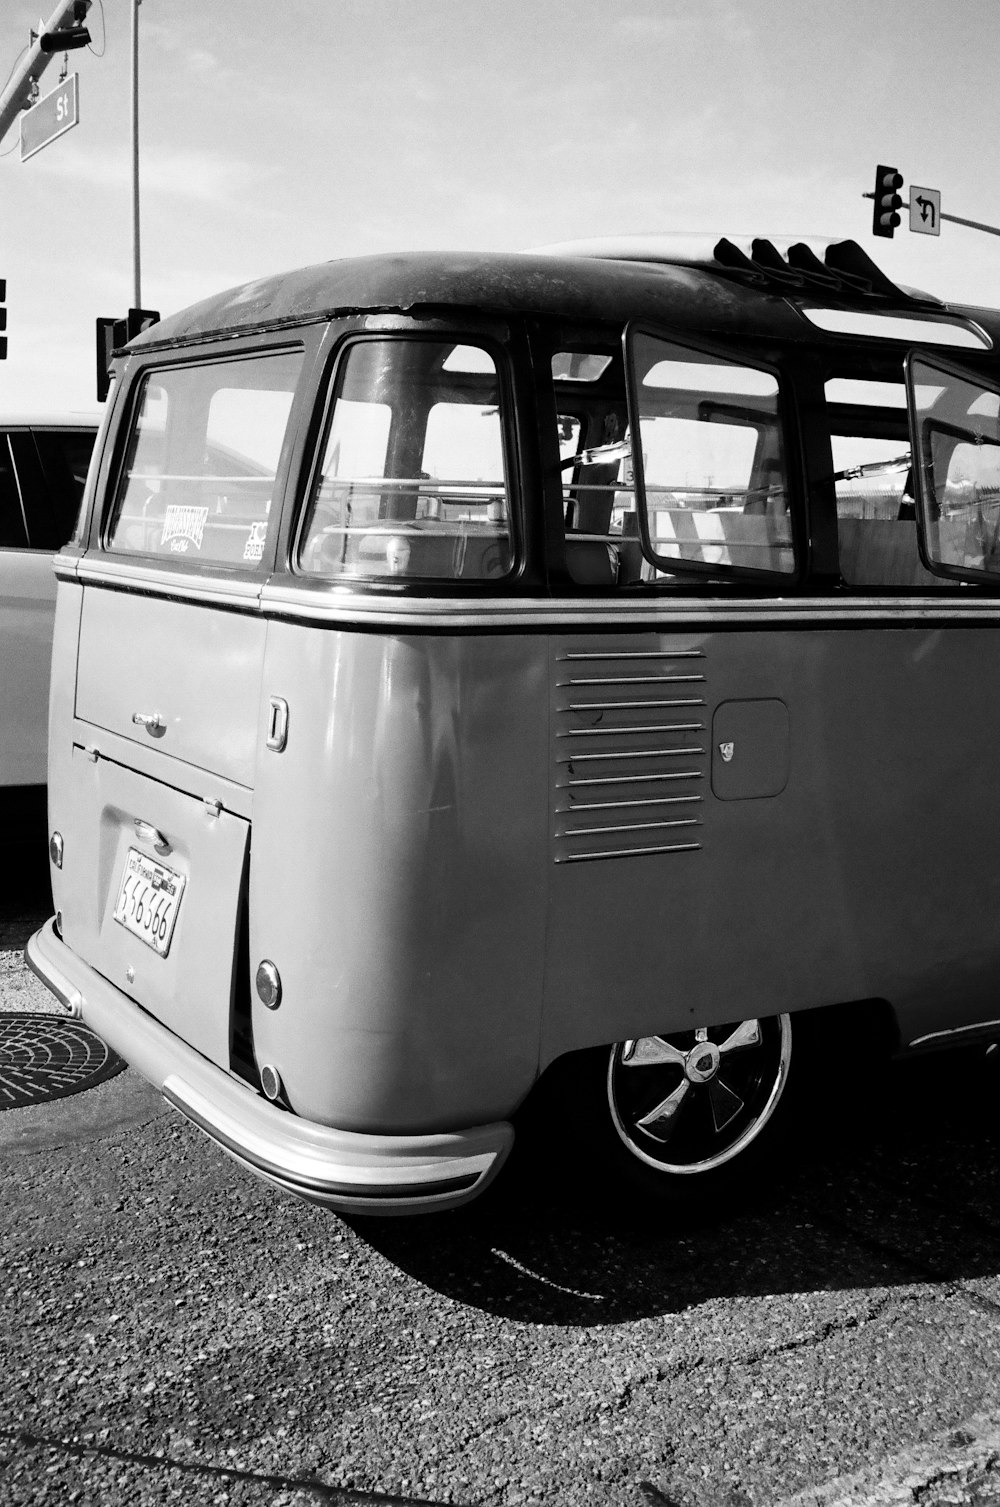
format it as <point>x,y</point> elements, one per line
<point>687,1103</point>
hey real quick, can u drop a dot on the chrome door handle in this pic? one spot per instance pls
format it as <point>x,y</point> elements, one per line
<point>151,721</point>
<point>277,724</point>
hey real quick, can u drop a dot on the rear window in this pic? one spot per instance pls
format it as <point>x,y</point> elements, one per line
<point>412,478</point>
<point>203,453</point>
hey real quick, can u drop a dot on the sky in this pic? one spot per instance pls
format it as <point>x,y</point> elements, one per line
<point>275,133</point>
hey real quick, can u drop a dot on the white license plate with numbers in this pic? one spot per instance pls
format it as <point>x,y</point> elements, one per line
<point>149,898</point>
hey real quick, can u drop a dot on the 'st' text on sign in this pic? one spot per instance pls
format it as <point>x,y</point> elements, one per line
<point>55,113</point>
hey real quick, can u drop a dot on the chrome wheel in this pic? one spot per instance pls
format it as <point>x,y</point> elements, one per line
<point>689,1102</point>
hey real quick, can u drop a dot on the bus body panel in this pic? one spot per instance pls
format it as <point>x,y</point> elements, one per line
<point>826,892</point>
<point>193,668</point>
<point>398,875</point>
<point>164,790</point>
<point>110,810</point>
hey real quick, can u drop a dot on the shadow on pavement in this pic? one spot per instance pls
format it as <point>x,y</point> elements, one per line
<point>892,1189</point>
<point>25,894</point>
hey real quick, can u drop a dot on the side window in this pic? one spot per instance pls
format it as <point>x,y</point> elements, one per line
<point>412,480</point>
<point>602,545</point>
<point>708,436</point>
<point>58,465</point>
<point>876,516</point>
<point>202,457</point>
<point>955,418</point>
<point>12,534</point>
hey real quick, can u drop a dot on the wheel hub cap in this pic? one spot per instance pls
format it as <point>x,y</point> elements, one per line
<point>702,1062</point>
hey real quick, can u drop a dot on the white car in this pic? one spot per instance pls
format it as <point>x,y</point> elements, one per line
<point>43,468</point>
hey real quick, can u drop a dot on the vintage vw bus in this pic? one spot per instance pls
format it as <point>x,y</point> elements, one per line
<point>471,669</point>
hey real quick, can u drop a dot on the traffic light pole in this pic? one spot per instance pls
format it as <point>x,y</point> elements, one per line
<point>972,224</point>
<point>17,95</point>
<point>955,219</point>
<point>136,279</point>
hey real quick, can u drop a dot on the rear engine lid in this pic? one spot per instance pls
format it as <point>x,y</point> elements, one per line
<point>150,896</point>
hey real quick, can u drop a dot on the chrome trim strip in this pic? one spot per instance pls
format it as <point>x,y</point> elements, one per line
<point>676,847</point>
<point>65,992</point>
<point>679,821</point>
<point>646,800</point>
<point>277,599</point>
<point>633,753</point>
<point>636,680</point>
<point>576,654</point>
<point>65,569</point>
<point>596,613</point>
<point>203,1113</point>
<point>625,730</point>
<point>636,779</point>
<point>982,1025</point>
<point>632,706</point>
<point>126,575</point>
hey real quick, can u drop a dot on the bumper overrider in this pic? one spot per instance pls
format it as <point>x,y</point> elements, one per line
<point>344,1170</point>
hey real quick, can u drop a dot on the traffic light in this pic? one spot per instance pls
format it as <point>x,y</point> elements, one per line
<point>112,333</point>
<point>3,318</point>
<point>68,39</point>
<point>139,320</point>
<point>888,182</point>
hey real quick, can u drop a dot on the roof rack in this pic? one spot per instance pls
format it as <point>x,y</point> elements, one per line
<point>836,270</point>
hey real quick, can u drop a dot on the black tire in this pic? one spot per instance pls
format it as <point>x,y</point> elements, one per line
<point>688,1118</point>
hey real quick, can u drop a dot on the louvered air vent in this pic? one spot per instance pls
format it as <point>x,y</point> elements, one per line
<point>630,752</point>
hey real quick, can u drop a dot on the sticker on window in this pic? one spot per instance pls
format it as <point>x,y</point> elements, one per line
<point>254,547</point>
<point>183,526</point>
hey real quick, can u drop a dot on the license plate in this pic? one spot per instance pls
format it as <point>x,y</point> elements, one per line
<point>149,898</point>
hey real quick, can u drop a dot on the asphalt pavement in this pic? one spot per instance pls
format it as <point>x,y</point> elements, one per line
<point>178,1332</point>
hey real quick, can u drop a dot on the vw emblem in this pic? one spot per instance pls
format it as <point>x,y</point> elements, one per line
<point>727,750</point>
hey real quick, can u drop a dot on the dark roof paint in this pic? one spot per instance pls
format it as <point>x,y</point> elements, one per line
<point>502,284</point>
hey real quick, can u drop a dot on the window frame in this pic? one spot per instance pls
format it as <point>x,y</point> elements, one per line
<point>750,358</point>
<point>924,499</point>
<point>435,333</point>
<point>133,384</point>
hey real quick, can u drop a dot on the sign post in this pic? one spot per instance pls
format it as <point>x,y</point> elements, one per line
<point>54,113</point>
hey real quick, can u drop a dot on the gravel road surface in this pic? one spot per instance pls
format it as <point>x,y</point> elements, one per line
<point>178,1332</point>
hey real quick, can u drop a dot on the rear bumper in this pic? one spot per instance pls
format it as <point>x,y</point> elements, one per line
<point>344,1170</point>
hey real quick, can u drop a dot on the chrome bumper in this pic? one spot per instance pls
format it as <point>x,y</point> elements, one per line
<point>344,1170</point>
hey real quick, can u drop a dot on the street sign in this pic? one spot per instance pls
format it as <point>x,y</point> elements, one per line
<point>925,210</point>
<point>54,113</point>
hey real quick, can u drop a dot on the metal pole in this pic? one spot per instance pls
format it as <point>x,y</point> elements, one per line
<point>955,219</point>
<point>973,224</point>
<point>136,279</point>
<point>17,95</point>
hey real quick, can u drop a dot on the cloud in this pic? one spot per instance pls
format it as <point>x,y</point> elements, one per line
<point>205,177</point>
<point>719,15</point>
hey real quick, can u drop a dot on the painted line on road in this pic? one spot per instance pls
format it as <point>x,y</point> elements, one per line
<point>959,1464</point>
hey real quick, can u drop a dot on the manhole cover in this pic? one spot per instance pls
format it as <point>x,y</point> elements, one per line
<point>46,1057</point>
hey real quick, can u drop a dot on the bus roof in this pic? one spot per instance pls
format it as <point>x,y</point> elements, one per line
<point>705,283</point>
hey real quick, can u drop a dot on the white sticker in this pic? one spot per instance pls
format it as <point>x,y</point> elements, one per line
<point>183,526</point>
<point>254,548</point>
